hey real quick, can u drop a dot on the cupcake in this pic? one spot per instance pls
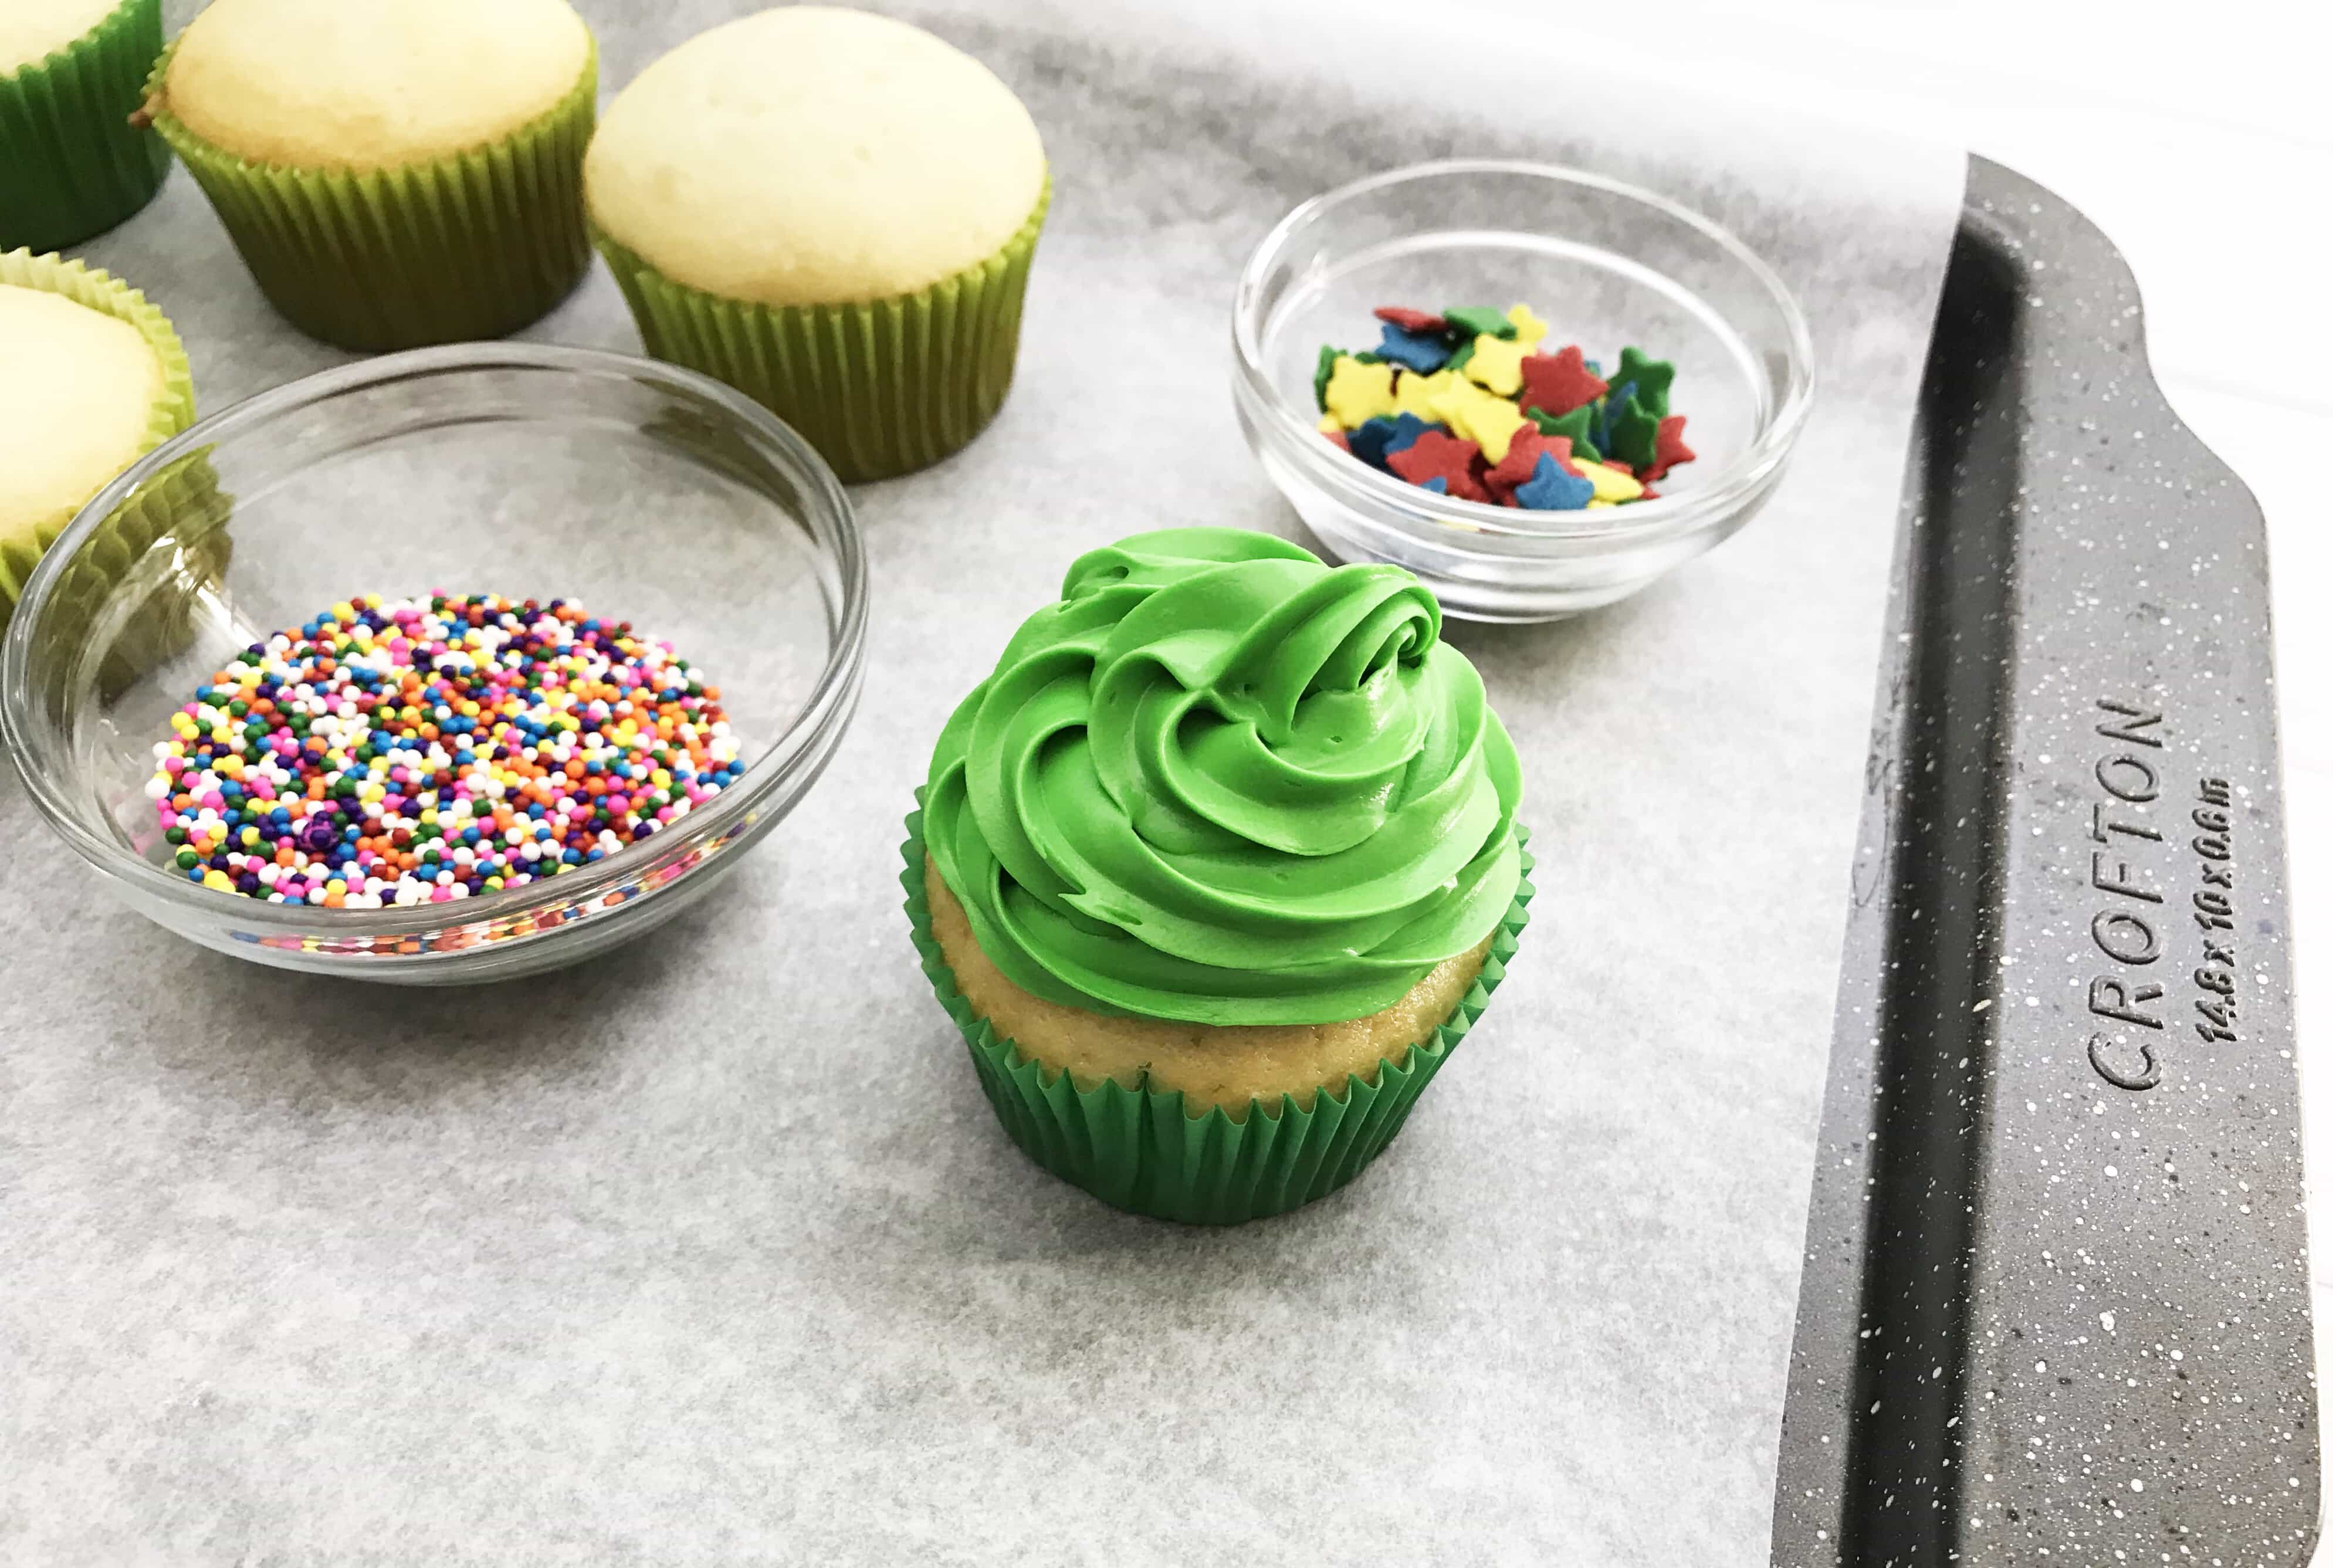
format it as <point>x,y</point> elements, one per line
<point>834,213</point>
<point>71,164</point>
<point>96,380</point>
<point>1215,869</point>
<point>393,175</point>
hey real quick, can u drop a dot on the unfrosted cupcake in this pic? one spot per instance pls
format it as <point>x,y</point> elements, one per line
<point>834,213</point>
<point>1216,868</point>
<point>394,175</point>
<point>95,379</point>
<point>71,72</point>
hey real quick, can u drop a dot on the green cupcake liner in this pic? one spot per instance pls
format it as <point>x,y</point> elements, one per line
<point>1140,1149</point>
<point>168,540</point>
<point>476,245</point>
<point>880,388</point>
<point>21,547</point>
<point>71,165</point>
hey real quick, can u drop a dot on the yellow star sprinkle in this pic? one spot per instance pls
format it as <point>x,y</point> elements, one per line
<point>1421,395</point>
<point>1498,364</point>
<point>1489,422</point>
<point>1357,392</point>
<point>1611,485</point>
<point>1529,328</point>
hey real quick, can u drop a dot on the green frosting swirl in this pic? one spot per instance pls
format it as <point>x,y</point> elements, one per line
<point>1221,782</point>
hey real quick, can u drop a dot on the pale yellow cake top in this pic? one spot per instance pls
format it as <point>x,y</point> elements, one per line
<point>33,30</point>
<point>1226,1064</point>
<point>74,405</point>
<point>351,85</point>
<point>814,155</point>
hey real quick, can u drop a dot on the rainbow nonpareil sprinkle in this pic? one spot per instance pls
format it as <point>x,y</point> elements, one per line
<point>398,752</point>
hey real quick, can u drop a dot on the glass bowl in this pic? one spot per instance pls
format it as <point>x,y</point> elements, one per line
<point>1608,265</point>
<point>652,494</point>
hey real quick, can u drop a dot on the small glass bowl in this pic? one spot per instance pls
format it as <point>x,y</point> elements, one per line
<point>1608,265</point>
<point>652,494</point>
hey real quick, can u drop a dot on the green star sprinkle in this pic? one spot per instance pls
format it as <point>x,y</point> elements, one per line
<point>1573,425</point>
<point>1635,431</point>
<point>1652,378</point>
<point>1476,320</point>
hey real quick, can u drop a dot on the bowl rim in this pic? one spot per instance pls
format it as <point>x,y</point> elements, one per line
<point>1742,478</point>
<point>793,751</point>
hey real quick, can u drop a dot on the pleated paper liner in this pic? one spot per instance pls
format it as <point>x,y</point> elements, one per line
<point>474,245</point>
<point>1140,1149</point>
<point>71,166</point>
<point>166,549</point>
<point>21,548</point>
<point>880,388</point>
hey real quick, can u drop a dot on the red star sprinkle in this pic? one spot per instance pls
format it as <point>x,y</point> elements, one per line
<point>1410,321</point>
<point>1434,455</point>
<point>1668,447</point>
<point>1555,384</point>
<point>1337,439</point>
<point>1522,460</point>
<point>1523,457</point>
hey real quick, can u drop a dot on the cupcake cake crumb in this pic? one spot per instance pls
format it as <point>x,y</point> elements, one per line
<point>75,407</point>
<point>352,88</point>
<point>814,155</point>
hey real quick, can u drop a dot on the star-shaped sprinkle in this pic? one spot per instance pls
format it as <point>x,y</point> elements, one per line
<point>1522,460</point>
<point>1635,432</point>
<point>1668,449</point>
<point>1652,378</point>
<point>1497,364</point>
<point>1369,438</point>
<point>1407,428</point>
<point>1551,489</point>
<point>1410,321</point>
<point>1476,320</point>
<point>1491,422</point>
<point>1573,427</point>
<point>1612,484</point>
<point>1425,353</point>
<point>1417,394</point>
<point>1359,390</point>
<point>1559,382</point>
<point>1434,455</point>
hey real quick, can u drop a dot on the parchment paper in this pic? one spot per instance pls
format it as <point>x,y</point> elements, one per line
<point>713,1253</point>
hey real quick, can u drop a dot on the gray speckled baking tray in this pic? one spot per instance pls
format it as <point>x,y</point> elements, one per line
<point>2055,1307</point>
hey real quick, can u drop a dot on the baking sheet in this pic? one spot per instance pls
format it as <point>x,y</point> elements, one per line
<point>2056,1297</point>
<point>713,1251</point>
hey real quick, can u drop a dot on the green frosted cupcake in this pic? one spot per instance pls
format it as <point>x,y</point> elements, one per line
<point>71,73</point>
<point>834,213</point>
<point>1216,868</point>
<point>96,380</point>
<point>393,175</point>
